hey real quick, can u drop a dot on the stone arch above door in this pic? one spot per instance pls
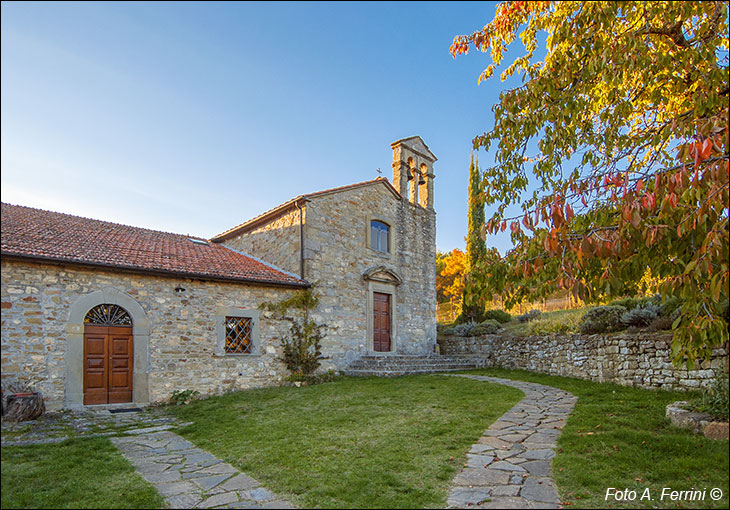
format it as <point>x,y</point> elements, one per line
<point>382,274</point>
<point>75,344</point>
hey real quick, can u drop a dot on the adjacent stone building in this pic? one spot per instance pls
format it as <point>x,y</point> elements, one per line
<point>96,313</point>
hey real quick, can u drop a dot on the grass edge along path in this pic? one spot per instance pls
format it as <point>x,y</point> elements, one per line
<point>352,443</point>
<point>77,473</point>
<point>618,436</point>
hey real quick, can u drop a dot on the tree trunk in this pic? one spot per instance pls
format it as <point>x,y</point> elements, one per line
<point>23,407</point>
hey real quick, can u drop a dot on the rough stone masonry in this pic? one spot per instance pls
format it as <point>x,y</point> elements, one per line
<point>631,359</point>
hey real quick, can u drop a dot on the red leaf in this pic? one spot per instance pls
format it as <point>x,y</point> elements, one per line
<point>626,213</point>
<point>586,246</point>
<point>636,218</point>
<point>706,149</point>
<point>504,226</point>
<point>569,212</point>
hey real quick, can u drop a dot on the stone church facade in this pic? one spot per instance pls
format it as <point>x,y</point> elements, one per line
<point>98,313</point>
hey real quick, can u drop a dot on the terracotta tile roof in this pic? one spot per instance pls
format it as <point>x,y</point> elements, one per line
<point>51,236</point>
<point>263,217</point>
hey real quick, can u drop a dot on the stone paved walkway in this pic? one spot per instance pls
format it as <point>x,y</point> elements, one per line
<point>189,477</point>
<point>54,427</point>
<point>510,465</point>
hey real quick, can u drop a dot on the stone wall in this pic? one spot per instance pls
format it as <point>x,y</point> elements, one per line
<point>37,299</point>
<point>631,359</point>
<point>276,242</point>
<point>337,253</point>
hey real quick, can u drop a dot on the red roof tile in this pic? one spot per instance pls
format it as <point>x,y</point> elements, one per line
<point>37,234</point>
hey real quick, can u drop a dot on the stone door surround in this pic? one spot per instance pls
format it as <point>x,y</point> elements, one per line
<point>382,280</point>
<point>74,356</point>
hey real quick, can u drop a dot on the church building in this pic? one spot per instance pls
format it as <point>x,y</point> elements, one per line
<point>95,312</point>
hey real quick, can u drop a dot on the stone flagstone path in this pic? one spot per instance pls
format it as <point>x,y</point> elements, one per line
<point>509,467</point>
<point>188,477</point>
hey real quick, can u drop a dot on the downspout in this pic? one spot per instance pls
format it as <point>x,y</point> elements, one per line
<point>301,240</point>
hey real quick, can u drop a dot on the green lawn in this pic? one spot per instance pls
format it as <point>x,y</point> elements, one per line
<point>618,437</point>
<point>353,443</point>
<point>395,443</point>
<point>79,473</point>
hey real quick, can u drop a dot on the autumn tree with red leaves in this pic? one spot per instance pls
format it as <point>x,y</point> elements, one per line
<point>622,132</point>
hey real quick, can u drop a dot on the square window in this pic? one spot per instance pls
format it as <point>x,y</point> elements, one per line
<point>239,335</point>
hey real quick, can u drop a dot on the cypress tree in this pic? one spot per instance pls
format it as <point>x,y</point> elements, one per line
<point>475,246</point>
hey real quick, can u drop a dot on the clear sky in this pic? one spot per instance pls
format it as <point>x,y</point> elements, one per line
<point>195,117</point>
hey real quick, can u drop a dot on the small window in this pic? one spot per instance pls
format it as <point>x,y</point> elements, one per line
<point>237,332</point>
<point>380,236</point>
<point>239,335</point>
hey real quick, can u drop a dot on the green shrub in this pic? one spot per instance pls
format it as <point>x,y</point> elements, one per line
<point>529,316</point>
<point>629,303</point>
<point>316,378</point>
<point>670,306</point>
<point>553,325</point>
<point>714,400</point>
<point>302,349</point>
<point>462,329</point>
<point>661,323</point>
<point>487,327</point>
<point>602,319</point>
<point>465,319</point>
<point>181,397</point>
<point>497,315</point>
<point>636,302</point>
<point>641,315</point>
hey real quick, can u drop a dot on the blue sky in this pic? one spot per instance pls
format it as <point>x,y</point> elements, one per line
<point>194,117</point>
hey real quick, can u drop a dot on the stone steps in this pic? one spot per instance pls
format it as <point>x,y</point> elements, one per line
<point>397,365</point>
<point>398,373</point>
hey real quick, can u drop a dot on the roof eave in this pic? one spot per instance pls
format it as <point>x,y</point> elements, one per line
<point>159,272</point>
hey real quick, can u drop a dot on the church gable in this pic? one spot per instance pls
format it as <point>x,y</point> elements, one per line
<point>416,145</point>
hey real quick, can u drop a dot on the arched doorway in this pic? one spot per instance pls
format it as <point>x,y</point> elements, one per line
<point>108,355</point>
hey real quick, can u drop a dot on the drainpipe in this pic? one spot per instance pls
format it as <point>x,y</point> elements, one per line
<point>301,240</point>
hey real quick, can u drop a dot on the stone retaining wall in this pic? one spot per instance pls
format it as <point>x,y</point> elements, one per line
<point>631,359</point>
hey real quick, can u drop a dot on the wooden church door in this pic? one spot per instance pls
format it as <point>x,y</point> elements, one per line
<point>108,356</point>
<point>381,322</point>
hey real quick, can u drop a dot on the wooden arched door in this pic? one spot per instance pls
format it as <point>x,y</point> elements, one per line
<point>108,356</point>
